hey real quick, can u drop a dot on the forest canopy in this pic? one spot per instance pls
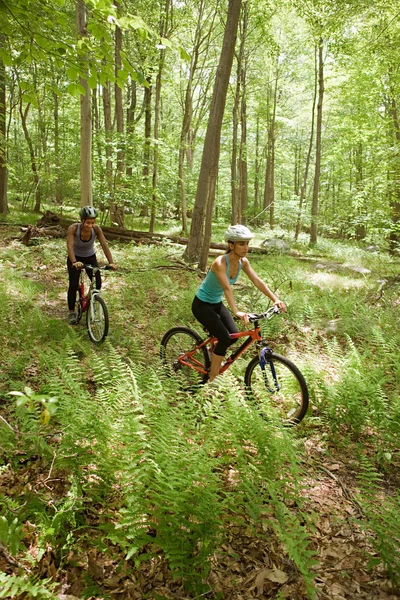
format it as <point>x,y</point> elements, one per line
<point>310,132</point>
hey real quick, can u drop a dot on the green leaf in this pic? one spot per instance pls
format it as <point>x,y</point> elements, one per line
<point>3,529</point>
<point>72,73</point>
<point>6,58</point>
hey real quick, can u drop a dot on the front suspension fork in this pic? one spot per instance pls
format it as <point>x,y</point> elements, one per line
<point>263,354</point>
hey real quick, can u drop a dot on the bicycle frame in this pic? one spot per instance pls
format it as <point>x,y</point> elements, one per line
<point>252,335</point>
<point>86,299</point>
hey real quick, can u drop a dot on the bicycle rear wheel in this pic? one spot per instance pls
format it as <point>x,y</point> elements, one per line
<point>181,358</point>
<point>97,319</point>
<point>279,390</point>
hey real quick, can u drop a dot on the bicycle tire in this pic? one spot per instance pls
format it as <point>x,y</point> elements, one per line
<point>176,342</point>
<point>290,402</point>
<point>97,323</point>
<point>78,306</point>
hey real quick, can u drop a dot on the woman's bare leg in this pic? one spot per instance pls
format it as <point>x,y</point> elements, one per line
<point>216,362</point>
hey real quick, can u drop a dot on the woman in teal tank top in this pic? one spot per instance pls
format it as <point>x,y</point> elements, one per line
<point>207,305</point>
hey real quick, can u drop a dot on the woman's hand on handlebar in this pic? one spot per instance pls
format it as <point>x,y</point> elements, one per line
<point>243,316</point>
<point>113,266</point>
<point>78,264</point>
<point>281,305</point>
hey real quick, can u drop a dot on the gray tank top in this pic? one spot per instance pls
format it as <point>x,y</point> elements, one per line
<point>82,248</point>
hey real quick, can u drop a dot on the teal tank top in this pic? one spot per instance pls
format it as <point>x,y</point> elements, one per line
<point>211,290</point>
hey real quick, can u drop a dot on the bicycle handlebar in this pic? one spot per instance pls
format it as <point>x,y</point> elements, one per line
<point>268,314</point>
<point>103,268</point>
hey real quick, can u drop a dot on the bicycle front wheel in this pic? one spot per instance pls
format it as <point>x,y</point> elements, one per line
<point>278,390</point>
<point>181,358</point>
<point>78,306</point>
<point>97,319</point>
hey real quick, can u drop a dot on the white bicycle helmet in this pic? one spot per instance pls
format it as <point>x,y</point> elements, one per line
<point>238,233</point>
<point>88,212</point>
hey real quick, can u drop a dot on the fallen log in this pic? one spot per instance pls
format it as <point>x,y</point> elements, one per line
<point>50,220</point>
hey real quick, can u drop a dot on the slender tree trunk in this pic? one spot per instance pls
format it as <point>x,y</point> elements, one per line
<point>317,173</point>
<point>235,212</point>
<point>24,116</point>
<point>185,141</point>
<point>310,146</point>
<point>198,243</point>
<point>57,150</point>
<point>3,137</point>
<point>243,189</point>
<point>154,198</point>
<point>257,173</point>
<point>86,119</point>
<point>108,132</point>
<point>394,236</point>
<point>269,188</point>
<point>116,210</point>
<point>148,92</point>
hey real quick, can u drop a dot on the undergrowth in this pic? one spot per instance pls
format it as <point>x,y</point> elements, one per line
<point>122,460</point>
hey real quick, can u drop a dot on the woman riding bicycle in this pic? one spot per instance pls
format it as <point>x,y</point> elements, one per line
<point>80,245</point>
<point>207,305</point>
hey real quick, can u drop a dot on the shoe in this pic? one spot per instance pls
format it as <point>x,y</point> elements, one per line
<point>215,384</point>
<point>72,319</point>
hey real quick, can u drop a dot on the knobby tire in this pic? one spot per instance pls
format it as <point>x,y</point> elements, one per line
<point>175,343</point>
<point>97,327</point>
<point>290,403</point>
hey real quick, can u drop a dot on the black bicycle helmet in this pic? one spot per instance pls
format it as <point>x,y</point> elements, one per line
<point>88,212</point>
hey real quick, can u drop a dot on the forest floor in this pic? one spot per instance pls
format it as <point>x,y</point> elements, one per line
<point>248,566</point>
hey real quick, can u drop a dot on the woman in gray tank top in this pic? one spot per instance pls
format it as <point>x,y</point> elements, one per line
<point>80,245</point>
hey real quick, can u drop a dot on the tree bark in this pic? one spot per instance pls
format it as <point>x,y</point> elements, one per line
<point>3,137</point>
<point>308,159</point>
<point>317,173</point>
<point>148,92</point>
<point>36,181</point>
<point>198,241</point>
<point>58,179</point>
<point>394,235</point>
<point>269,188</point>
<point>86,119</point>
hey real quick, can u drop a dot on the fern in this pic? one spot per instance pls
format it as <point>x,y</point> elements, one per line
<point>382,519</point>
<point>13,586</point>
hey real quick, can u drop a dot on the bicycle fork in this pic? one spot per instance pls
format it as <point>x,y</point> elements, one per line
<point>263,363</point>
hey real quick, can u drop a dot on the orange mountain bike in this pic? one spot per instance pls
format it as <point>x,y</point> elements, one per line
<point>272,382</point>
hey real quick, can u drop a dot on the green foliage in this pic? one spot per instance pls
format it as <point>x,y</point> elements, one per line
<point>382,512</point>
<point>13,586</point>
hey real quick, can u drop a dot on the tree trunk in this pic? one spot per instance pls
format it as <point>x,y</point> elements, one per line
<point>108,133</point>
<point>154,197</point>
<point>24,116</point>
<point>3,145</point>
<point>86,119</point>
<point>394,236</point>
<point>116,208</point>
<point>310,145</point>
<point>317,173</point>
<point>235,213</point>
<point>269,188</point>
<point>198,242</point>
<point>243,190</point>
<point>257,174</point>
<point>148,91</point>
<point>57,165</point>
<point>185,141</point>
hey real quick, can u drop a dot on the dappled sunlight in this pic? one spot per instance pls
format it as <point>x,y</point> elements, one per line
<point>335,281</point>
